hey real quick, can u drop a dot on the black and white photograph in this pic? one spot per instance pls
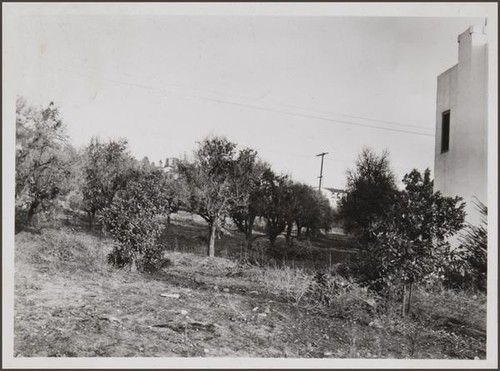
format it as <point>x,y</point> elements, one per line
<point>277,185</point>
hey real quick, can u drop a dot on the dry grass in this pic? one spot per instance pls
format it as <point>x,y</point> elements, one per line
<point>69,302</point>
<point>290,283</point>
<point>463,308</point>
<point>63,249</point>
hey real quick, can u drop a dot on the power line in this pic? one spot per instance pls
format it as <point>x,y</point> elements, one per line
<point>343,122</point>
<point>239,96</point>
<point>357,117</point>
<point>315,117</point>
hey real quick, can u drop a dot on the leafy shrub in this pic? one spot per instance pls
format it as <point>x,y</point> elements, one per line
<point>475,251</point>
<point>410,242</point>
<point>118,257</point>
<point>343,270</point>
<point>465,267</point>
<point>131,220</point>
<point>324,287</point>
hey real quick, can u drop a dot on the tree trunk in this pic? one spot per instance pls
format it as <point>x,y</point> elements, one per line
<point>211,243</point>
<point>409,299</point>
<point>31,212</point>
<point>249,231</point>
<point>29,218</point>
<point>299,230</point>
<point>288,236</point>
<point>91,215</point>
<point>133,263</point>
<point>403,307</point>
<point>272,238</point>
<point>249,239</point>
<point>168,219</point>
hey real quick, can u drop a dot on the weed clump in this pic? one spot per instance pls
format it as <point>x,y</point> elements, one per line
<point>342,298</point>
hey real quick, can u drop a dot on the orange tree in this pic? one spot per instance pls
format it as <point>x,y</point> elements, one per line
<point>407,245</point>
<point>131,218</point>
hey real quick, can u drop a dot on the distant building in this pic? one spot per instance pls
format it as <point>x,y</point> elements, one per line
<point>333,195</point>
<point>170,166</point>
<point>460,166</point>
<point>171,162</point>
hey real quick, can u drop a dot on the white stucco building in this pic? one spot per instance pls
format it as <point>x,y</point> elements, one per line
<point>460,166</point>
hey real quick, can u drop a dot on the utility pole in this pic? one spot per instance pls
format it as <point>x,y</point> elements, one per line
<point>321,171</point>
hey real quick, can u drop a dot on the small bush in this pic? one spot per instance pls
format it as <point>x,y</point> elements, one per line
<point>343,270</point>
<point>474,248</point>
<point>343,298</point>
<point>118,257</point>
<point>325,287</point>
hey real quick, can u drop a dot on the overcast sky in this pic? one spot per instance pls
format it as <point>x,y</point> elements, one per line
<point>290,87</point>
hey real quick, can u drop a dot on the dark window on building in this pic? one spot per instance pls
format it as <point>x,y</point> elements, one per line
<point>445,132</point>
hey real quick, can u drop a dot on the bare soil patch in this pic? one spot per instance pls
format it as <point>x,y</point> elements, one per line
<point>70,303</point>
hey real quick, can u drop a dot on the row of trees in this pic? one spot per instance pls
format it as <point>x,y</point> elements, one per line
<point>127,196</point>
<point>404,233</point>
<point>223,183</point>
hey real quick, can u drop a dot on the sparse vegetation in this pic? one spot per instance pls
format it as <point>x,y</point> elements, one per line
<point>70,302</point>
<point>278,284</point>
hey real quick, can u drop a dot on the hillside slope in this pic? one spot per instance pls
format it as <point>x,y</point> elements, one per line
<point>69,302</point>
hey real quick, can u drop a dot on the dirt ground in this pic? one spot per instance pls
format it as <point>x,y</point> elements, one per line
<point>124,314</point>
<point>197,307</point>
